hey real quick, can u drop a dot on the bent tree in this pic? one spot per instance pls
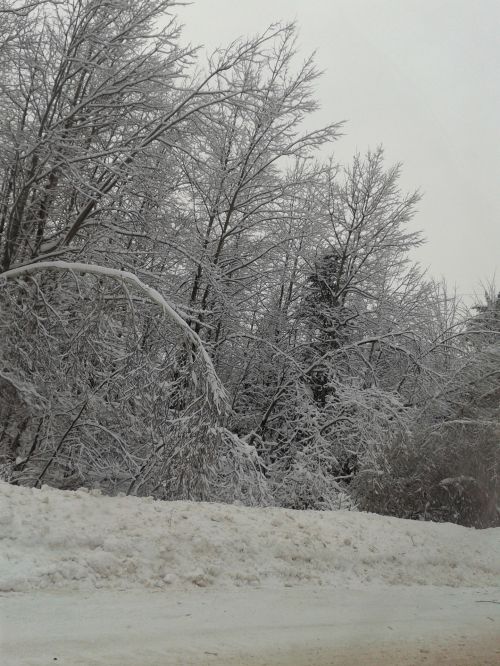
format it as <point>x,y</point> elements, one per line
<point>86,381</point>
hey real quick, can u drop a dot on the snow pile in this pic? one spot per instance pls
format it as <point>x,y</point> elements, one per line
<point>61,539</point>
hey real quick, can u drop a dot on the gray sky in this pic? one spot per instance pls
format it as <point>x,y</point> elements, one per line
<point>421,77</point>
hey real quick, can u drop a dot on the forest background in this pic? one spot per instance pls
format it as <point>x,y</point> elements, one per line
<point>195,303</point>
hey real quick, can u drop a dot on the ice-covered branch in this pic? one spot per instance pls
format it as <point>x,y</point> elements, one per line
<point>217,391</point>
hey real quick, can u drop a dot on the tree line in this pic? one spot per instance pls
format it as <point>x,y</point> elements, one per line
<point>195,303</point>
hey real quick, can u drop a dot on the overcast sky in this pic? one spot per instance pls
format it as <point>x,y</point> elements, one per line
<point>420,77</point>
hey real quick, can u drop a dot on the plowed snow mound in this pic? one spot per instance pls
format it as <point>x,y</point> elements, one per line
<point>82,540</point>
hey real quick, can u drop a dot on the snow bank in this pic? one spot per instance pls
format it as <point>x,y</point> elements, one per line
<point>81,540</point>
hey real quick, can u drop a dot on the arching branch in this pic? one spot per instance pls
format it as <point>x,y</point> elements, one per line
<point>217,392</point>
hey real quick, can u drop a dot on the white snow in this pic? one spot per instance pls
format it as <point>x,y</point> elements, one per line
<point>108,580</point>
<point>300,626</point>
<point>81,540</point>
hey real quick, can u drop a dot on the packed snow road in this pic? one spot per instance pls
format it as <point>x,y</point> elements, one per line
<point>298,626</point>
<point>92,580</point>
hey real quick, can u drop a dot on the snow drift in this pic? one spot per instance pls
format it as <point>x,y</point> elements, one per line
<point>82,540</point>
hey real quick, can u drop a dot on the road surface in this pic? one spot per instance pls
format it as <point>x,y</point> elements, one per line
<point>316,626</point>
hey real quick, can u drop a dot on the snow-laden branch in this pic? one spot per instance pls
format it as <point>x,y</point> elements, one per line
<point>217,391</point>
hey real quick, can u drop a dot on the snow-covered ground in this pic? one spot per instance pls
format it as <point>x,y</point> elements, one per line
<point>88,579</point>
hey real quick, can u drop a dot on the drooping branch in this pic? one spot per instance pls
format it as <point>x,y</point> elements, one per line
<point>217,391</point>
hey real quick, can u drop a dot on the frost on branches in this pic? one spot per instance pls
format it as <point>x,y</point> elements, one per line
<point>194,303</point>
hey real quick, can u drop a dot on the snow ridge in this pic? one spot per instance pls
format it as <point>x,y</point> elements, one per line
<point>82,540</point>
